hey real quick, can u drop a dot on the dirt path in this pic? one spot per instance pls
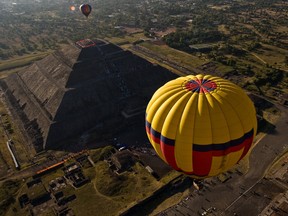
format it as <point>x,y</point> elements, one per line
<point>256,56</point>
<point>100,194</point>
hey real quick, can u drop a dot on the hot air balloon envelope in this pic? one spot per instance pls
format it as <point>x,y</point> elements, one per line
<point>201,125</point>
<point>85,9</point>
<point>72,8</point>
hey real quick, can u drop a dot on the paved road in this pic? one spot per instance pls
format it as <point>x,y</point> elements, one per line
<point>28,172</point>
<point>240,189</point>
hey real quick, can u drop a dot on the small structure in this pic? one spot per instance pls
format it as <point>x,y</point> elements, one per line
<point>152,172</point>
<point>84,161</point>
<point>58,195</point>
<point>33,182</point>
<point>85,43</point>
<point>62,210</point>
<point>12,152</point>
<point>38,194</point>
<point>57,184</point>
<point>23,200</point>
<point>202,47</point>
<point>122,161</point>
<point>74,175</point>
<point>48,169</point>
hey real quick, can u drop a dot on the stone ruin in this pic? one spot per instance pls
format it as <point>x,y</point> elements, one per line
<point>90,84</point>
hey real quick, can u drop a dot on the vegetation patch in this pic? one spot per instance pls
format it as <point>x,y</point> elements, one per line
<point>109,183</point>
<point>51,176</point>
<point>89,202</point>
<point>126,39</point>
<point>178,56</point>
<point>128,186</point>
<point>171,201</point>
<point>109,189</point>
<point>21,61</point>
<point>101,153</point>
<point>8,190</point>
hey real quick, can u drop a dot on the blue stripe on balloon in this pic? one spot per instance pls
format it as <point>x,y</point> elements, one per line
<point>167,141</point>
<point>223,146</point>
<point>202,148</point>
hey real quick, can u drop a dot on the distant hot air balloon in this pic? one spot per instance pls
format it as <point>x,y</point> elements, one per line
<point>85,9</point>
<point>201,125</point>
<point>72,8</point>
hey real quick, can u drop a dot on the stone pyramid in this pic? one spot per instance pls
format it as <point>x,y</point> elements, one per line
<point>90,84</point>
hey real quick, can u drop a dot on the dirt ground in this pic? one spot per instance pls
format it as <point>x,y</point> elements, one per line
<point>167,31</point>
<point>131,30</point>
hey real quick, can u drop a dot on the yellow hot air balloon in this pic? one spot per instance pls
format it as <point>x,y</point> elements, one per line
<point>201,125</point>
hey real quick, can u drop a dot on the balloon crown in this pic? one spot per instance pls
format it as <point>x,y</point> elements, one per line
<point>200,85</point>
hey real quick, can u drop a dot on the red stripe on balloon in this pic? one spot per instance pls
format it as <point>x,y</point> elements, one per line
<point>247,143</point>
<point>169,154</point>
<point>147,129</point>
<point>202,163</point>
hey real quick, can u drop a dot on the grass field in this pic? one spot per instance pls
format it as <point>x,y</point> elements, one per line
<point>153,61</point>
<point>52,175</point>
<point>89,202</point>
<point>264,55</point>
<point>22,151</point>
<point>6,157</point>
<point>6,73</point>
<point>171,201</point>
<point>127,39</point>
<point>21,61</point>
<point>8,190</point>
<point>277,165</point>
<point>224,29</point>
<point>170,176</point>
<point>109,189</point>
<point>179,57</point>
<point>224,69</point>
<point>183,58</point>
<point>106,188</point>
<point>273,55</point>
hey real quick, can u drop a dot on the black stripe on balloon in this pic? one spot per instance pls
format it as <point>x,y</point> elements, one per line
<point>147,124</point>
<point>158,135</point>
<point>167,141</point>
<point>154,133</point>
<point>223,146</point>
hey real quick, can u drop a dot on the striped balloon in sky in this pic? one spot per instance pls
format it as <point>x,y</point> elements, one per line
<point>201,125</point>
